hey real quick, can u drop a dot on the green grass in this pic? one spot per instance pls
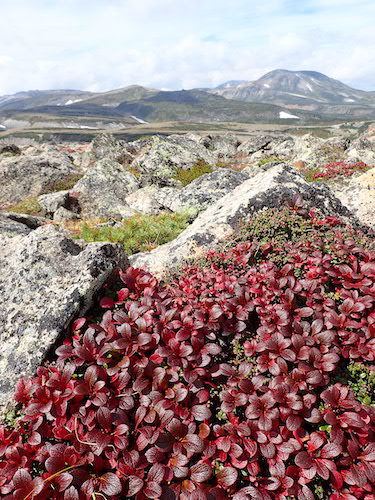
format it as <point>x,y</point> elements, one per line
<point>139,233</point>
<point>63,184</point>
<point>29,206</point>
<point>268,159</point>
<point>187,176</point>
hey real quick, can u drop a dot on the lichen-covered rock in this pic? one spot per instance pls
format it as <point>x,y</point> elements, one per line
<point>255,143</point>
<point>28,222</point>
<point>358,194</point>
<point>62,214</point>
<point>315,151</point>
<point>10,227</point>
<point>46,280</point>
<point>102,190</point>
<point>201,192</point>
<point>266,189</point>
<point>145,200</point>
<point>222,146</point>
<point>363,147</point>
<point>53,201</point>
<point>103,146</point>
<point>26,176</point>
<point>195,197</point>
<point>161,157</point>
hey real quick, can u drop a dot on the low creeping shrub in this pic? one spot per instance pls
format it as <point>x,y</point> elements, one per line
<point>221,384</point>
<point>334,169</point>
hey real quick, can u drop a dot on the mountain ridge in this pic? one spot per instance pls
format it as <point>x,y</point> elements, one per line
<point>279,94</point>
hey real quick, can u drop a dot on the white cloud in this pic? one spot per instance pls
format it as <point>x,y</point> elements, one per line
<point>105,44</point>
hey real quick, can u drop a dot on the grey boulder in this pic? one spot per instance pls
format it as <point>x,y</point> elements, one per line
<point>201,192</point>
<point>26,176</point>
<point>358,193</point>
<point>160,158</point>
<point>101,192</point>
<point>47,280</point>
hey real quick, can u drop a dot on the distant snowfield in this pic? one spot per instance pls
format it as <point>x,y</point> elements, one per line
<point>72,102</point>
<point>81,126</point>
<point>283,114</point>
<point>139,120</point>
<point>2,127</point>
<point>266,85</point>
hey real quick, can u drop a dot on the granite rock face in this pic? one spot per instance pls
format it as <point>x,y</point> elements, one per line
<point>102,190</point>
<point>103,146</point>
<point>202,192</point>
<point>47,280</point>
<point>13,224</point>
<point>196,196</point>
<point>267,189</point>
<point>25,176</point>
<point>358,194</point>
<point>159,158</point>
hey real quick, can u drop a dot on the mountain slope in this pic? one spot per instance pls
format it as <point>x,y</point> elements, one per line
<point>33,98</point>
<point>137,104</point>
<point>197,105</point>
<point>306,90</point>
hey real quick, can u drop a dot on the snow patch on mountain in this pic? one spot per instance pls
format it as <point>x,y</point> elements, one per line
<point>284,114</point>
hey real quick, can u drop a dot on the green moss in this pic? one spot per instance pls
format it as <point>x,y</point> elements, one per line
<point>133,170</point>
<point>268,159</point>
<point>63,184</point>
<point>187,176</point>
<point>10,417</point>
<point>361,381</point>
<point>29,206</point>
<point>141,232</point>
<point>225,164</point>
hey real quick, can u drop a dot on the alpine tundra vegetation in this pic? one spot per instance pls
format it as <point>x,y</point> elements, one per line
<point>188,317</point>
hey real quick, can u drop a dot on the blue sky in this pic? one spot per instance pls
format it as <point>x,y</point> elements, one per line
<point>104,44</point>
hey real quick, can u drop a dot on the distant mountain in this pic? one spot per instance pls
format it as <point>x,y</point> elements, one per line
<point>132,105</point>
<point>277,96</point>
<point>303,90</point>
<point>197,105</point>
<point>230,83</point>
<point>33,98</point>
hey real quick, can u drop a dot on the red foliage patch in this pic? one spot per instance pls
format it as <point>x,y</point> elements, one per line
<point>219,385</point>
<point>339,168</point>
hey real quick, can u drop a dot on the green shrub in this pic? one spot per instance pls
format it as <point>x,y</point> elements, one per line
<point>141,232</point>
<point>187,176</point>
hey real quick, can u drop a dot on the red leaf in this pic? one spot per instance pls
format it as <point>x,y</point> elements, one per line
<point>200,472</point>
<point>200,412</point>
<point>330,450</point>
<point>227,476</point>
<point>107,303</point>
<point>135,485</point>
<point>110,484</point>
<point>78,324</point>
<point>152,490</point>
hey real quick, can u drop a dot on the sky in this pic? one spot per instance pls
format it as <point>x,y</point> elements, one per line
<point>99,45</point>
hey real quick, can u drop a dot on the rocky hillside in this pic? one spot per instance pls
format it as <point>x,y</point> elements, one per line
<point>303,90</point>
